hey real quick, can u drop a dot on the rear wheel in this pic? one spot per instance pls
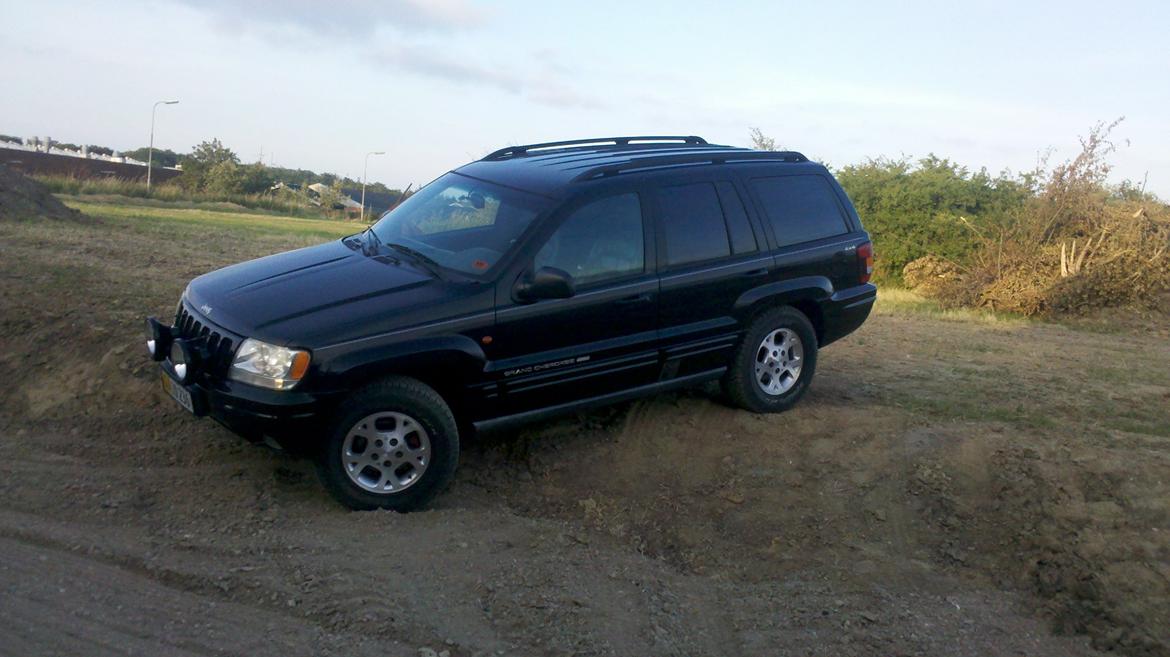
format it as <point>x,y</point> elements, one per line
<point>393,445</point>
<point>774,363</point>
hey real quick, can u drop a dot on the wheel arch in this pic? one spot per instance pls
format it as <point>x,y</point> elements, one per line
<point>806,294</point>
<point>444,363</point>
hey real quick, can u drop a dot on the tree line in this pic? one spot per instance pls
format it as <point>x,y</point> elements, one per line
<point>1057,239</point>
<point>214,168</point>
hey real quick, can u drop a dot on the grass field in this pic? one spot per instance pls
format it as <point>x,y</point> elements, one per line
<point>189,219</point>
<point>955,483</point>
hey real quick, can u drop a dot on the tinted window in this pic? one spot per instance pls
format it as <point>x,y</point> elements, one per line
<point>739,229</point>
<point>692,224</point>
<point>800,208</point>
<point>601,240</point>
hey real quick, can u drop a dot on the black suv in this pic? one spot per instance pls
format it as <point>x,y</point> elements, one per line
<point>538,280</point>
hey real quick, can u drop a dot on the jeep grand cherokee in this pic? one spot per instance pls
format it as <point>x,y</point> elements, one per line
<point>538,280</point>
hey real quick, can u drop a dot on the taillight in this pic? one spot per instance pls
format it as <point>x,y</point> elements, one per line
<point>865,261</point>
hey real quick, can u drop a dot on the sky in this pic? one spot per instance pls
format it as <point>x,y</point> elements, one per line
<point>436,83</point>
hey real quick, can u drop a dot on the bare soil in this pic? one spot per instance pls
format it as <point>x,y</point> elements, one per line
<point>950,486</point>
<point>22,197</point>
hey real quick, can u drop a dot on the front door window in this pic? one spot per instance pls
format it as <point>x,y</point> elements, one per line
<point>601,241</point>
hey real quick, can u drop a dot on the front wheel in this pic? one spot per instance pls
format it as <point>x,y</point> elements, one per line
<point>774,363</point>
<point>393,445</point>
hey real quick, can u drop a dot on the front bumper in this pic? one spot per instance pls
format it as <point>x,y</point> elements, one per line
<point>291,417</point>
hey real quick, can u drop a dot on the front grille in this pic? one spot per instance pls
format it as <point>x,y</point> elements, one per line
<point>220,347</point>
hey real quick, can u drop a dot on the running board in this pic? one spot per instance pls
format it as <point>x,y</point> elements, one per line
<point>601,400</point>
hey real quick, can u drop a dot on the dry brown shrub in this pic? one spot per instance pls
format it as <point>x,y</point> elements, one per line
<point>1132,267</point>
<point>930,275</point>
<point>1021,289</point>
<point>1072,249</point>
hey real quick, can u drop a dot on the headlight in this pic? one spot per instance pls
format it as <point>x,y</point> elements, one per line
<point>267,365</point>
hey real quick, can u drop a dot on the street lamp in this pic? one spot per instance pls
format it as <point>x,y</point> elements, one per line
<point>150,153</point>
<point>365,169</point>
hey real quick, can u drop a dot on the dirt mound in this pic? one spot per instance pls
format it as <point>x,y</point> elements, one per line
<point>23,198</point>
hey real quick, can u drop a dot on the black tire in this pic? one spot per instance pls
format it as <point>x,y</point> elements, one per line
<point>393,395</point>
<point>739,382</point>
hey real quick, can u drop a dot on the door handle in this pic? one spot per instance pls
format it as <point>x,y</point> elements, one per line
<point>756,273</point>
<point>638,298</point>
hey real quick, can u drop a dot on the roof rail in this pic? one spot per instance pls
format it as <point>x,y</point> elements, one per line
<point>653,162</point>
<point>513,151</point>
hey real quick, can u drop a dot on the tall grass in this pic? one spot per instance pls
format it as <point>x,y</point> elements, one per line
<point>282,203</point>
<point>900,301</point>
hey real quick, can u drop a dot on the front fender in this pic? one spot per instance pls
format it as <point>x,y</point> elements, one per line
<point>433,359</point>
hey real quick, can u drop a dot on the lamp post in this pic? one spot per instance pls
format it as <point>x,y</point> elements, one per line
<point>150,152</point>
<point>365,169</point>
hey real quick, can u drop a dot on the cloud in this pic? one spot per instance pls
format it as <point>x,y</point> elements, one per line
<point>429,63</point>
<point>541,79</point>
<point>557,94</point>
<point>543,88</point>
<point>341,18</point>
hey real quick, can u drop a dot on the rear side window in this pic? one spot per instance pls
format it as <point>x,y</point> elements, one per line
<point>693,226</point>
<point>800,208</point>
<point>739,229</point>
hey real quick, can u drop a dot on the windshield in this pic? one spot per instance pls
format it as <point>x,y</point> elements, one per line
<point>459,222</point>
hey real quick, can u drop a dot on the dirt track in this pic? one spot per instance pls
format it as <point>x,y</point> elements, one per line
<point>947,488</point>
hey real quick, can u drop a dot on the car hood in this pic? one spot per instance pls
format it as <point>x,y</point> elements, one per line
<point>326,294</point>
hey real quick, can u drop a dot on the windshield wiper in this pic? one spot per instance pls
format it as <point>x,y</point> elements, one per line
<point>372,241</point>
<point>423,259</point>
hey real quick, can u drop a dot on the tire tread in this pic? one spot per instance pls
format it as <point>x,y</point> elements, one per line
<point>419,399</point>
<point>738,383</point>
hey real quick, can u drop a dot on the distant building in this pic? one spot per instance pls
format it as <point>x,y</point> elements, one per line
<point>344,203</point>
<point>37,157</point>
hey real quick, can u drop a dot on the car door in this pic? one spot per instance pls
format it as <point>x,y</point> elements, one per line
<point>709,253</point>
<point>603,339</point>
<point>809,226</point>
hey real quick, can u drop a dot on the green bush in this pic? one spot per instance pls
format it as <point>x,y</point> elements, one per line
<point>161,157</point>
<point>931,206</point>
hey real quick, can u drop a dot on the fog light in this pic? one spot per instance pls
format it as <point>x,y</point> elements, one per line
<point>184,359</point>
<point>158,338</point>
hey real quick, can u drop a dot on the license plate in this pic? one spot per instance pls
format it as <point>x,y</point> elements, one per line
<point>178,393</point>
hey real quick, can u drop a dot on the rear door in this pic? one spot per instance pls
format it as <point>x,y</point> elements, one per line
<point>809,226</point>
<point>709,253</point>
<point>601,340</point>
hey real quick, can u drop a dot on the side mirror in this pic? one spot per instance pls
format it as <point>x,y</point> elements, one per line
<point>546,283</point>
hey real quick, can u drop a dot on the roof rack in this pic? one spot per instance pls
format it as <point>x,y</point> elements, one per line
<point>513,151</point>
<point>653,162</point>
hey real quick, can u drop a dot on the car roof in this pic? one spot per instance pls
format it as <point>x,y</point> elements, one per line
<point>551,168</point>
